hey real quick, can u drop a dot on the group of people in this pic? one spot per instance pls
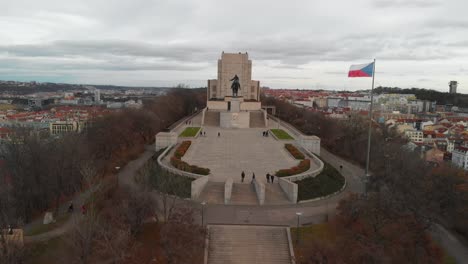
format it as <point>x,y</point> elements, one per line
<point>188,122</point>
<point>265,133</point>
<point>202,133</point>
<point>270,178</point>
<point>71,208</point>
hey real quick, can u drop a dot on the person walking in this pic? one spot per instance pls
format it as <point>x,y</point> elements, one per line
<point>83,209</point>
<point>268,177</point>
<point>272,177</point>
<point>242,176</point>
<point>219,134</point>
<point>253,177</point>
<point>70,207</point>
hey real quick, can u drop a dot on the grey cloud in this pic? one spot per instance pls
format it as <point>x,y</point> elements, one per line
<point>405,3</point>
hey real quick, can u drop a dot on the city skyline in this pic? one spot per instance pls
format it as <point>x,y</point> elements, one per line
<point>416,43</point>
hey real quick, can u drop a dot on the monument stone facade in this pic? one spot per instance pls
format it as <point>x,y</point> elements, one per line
<point>230,65</point>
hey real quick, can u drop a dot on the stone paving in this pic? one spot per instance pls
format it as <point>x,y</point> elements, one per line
<point>238,150</point>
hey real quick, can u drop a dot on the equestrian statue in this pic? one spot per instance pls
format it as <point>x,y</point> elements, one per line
<point>235,85</point>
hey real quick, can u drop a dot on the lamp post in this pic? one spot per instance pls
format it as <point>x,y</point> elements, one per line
<point>297,227</point>
<point>203,213</point>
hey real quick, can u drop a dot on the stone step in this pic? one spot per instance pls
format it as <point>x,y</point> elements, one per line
<point>274,194</point>
<point>243,194</point>
<point>257,119</point>
<point>212,118</point>
<point>213,193</point>
<point>248,244</point>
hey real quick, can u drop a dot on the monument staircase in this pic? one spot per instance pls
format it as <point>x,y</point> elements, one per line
<point>197,120</point>
<point>248,244</point>
<point>275,195</point>
<point>257,119</point>
<point>213,193</point>
<point>243,194</point>
<point>212,118</point>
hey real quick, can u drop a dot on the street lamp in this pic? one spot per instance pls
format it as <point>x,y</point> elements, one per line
<point>297,227</point>
<point>203,213</point>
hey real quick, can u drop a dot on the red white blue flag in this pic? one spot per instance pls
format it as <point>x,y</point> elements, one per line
<point>361,70</point>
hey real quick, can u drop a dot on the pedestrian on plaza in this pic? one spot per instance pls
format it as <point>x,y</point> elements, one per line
<point>204,133</point>
<point>272,178</point>
<point>219,134</point>
<point>341,167</point>
<point>242,176</point>
<point>268,177</point>
<point>201,133</point>
<point>253,176</point>
<point>10,230</point>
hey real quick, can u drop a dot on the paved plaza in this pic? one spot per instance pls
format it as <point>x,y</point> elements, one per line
<point>238,150</point>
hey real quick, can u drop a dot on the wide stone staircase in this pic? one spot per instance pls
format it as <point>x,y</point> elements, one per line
<point>257,119</point>
<point>275,195</point>
<point>197,120</point>
<point>248,244</point>
<point>243,194</point>
<point>212,118</point>
<point>213,193</point>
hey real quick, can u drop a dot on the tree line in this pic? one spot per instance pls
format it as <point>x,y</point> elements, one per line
<point>39,174</point>
<point>404,192</point>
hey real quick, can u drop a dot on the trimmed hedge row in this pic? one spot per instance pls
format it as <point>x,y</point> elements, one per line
<point>303,166</point>
<point>178,163</point>
<point>294,151</point>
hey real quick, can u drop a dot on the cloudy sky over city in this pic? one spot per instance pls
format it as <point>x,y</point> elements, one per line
<point>293,44</point>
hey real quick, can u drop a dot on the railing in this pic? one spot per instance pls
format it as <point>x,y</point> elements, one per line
<point>289,188</point>
<point>181,121</point>
<point>228,190</point>
<point>309,173</point>
<point>174,170</point>
<point>260,190</point>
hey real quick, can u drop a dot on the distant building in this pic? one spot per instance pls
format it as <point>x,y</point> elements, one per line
<point>59,127</point>
<point>460,157</point>
<point>453,87</point>
<point>97,96</point>
<point>414,136</point>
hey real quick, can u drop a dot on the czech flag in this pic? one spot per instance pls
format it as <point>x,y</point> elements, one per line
<point>361,70</point>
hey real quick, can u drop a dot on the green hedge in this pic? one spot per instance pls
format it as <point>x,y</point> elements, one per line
<point>281,134</point>
<point>327,182</point>
<point>178,163</point>
<point>303,166</point>
<point>190,132</point>
<point>294,151</point>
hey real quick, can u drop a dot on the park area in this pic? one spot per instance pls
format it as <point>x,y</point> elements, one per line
<point>281,134</point>
<point>327,182</point>
<point>190,132</point>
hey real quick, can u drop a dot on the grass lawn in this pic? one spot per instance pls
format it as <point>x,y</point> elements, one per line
<point>327,182</point>
<point>281,134</point>
<point>190,132</point>
<point>59,221</point>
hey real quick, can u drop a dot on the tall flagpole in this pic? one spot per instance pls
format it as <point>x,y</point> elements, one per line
<point>370,130</point>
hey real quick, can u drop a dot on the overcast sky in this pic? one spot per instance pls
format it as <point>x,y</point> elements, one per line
<point>293,44</point>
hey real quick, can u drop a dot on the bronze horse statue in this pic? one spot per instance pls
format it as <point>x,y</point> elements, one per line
<point>235,85</point>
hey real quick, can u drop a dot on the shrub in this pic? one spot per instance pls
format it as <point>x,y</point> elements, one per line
<point>178,163</point>
<point>303,166</point>
<point>294,151</point>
